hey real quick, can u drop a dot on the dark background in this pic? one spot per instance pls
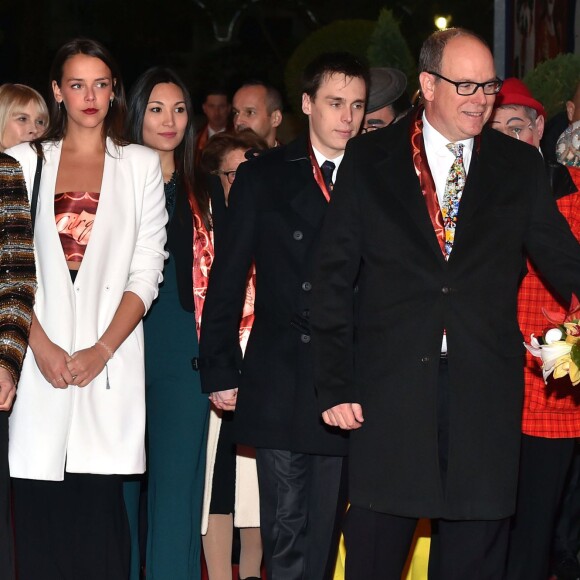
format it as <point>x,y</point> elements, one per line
<point>258,36</point>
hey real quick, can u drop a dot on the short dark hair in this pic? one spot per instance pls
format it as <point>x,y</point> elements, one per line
<point>113,125</point>
<point>274,100</point>
<point>431,54</point>
<point>216,91</point>
<point>330,63</point>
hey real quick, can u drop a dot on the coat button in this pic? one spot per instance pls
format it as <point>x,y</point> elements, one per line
<point>297,235</point>
<point>305,338</point>
<point>306,286</point>
<point>306,313</point>
<point>425,359</point>
<point>445,289</point>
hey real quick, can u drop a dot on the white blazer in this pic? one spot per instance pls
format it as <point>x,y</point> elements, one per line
<point>96,429</point>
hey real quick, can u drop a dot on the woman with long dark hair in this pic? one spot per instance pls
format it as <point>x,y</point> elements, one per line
<point>161,117</point>
<point>78,423</point>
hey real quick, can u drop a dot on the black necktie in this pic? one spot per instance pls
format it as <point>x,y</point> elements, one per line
<point>327,169</point>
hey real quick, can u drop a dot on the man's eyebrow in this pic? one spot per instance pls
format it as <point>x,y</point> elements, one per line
<point>493,122</point>
<point>518,119</point>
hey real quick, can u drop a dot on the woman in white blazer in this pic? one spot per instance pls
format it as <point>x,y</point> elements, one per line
<point>79,419</point>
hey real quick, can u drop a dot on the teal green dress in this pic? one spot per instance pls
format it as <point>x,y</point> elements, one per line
<point>177,416</point>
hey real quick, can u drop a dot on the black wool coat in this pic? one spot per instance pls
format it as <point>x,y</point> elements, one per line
<point>385,352</point>
<point>274,216</point>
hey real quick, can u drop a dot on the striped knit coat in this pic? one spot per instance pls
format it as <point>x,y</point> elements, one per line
<point>17,271</point>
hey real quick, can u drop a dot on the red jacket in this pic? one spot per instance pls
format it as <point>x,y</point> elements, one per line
<point>548,413</point>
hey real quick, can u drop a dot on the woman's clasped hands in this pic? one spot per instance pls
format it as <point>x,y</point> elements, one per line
<point>61,369</point>
<point>84,365</point>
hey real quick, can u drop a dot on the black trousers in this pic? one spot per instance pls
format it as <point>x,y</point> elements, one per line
<point>71,529</point>
<point>567,533</point>
<point>6,539</point>
<point>377,546</point>
<point>302,501</point>
<point>544,464</point>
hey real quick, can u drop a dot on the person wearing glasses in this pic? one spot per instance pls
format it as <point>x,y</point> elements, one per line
<point>388,99</point>
<point>423,364</point>
<point>231,496</point>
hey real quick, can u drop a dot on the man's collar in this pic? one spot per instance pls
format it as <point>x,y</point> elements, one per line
<point>320,158</point>
<point>437,142</point>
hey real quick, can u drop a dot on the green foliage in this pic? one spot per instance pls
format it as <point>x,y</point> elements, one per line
<point>553,81</point>
<point>388,47</point>
<point>575,354</point>
<point>350,35</point>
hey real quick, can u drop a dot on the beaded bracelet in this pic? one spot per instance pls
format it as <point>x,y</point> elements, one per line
<point>107,348</point>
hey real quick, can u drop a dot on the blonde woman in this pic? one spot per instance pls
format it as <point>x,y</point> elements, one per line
<point>23,115</point>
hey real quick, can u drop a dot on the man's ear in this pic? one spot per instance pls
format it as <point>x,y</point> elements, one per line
<point>276,117</point>
<point>427,83</point>
<point>540,125</point>
<point>570,110</point>
<point>306,104</point>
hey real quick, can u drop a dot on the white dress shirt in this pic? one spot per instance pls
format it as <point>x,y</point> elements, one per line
<point>440,160</point>
<point>320,159</point>
<point>439,157</point>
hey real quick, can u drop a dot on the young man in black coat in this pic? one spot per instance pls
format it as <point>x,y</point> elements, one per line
<point>276,208</point>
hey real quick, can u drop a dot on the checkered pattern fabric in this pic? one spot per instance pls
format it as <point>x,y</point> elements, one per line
<point>546,413</point>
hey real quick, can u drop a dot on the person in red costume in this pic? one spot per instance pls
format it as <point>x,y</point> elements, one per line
<point>551,413</point>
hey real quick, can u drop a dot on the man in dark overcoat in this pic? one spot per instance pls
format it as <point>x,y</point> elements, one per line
<point>275,212</point>
<point>429,222</point>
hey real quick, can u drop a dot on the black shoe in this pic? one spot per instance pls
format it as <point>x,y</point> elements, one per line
<point>567,568</point>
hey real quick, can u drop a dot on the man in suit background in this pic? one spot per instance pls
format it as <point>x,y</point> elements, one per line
<point>424,364</point>
<point>258,106</point>
<point>216,108</point>
<point>276,208</point>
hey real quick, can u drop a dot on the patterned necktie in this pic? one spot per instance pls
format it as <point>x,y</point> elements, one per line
<point>327,169</point>
<point>452,195</point>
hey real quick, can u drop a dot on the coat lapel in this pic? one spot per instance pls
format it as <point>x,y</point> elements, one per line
<point>396,173</point>
<point>307,201</point>
<point>479,185</point>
